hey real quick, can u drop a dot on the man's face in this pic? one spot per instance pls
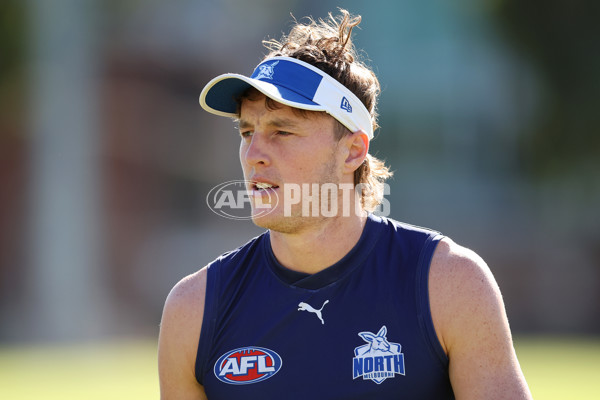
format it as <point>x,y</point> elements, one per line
<point>278,148</point>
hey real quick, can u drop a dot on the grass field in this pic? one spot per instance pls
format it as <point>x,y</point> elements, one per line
<point>123,370</point>
<point>554,368</point>
<point>561,368</point>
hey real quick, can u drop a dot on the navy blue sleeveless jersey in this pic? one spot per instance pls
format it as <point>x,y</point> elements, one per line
<point>360,329</point>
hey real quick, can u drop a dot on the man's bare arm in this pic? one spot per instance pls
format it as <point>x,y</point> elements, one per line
<point>178,340</point>
<point>471,324</point>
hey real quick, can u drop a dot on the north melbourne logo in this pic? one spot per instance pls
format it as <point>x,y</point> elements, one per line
<point>266,71</point>
<point>378,359</point>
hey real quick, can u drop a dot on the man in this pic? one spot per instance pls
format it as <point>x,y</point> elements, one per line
<point>342,306</point>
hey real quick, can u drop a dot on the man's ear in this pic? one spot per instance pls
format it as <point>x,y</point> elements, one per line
<point>358,146</point>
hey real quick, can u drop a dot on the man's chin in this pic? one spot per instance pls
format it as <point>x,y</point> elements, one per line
<point>274,222</point>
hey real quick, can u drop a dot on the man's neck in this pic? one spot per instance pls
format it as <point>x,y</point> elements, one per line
<point>319,246</point>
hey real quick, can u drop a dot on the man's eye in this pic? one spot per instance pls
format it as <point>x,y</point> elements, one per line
<point>246,134</point>
<point>284,133</point>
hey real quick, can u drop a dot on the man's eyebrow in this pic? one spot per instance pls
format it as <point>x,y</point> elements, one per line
<point>283,122</point>
<point>242,124</point>
<point>277,122</point>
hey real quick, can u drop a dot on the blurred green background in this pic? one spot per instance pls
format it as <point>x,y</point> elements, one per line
<point>489,118</point>
<point>555,368</point>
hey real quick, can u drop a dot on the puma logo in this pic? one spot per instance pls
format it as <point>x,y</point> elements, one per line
<point>307,307</point>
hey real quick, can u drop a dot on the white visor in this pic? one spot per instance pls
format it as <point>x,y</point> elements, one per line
<point>291,82</point>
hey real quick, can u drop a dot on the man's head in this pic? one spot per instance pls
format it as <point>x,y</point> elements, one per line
<point>314,69</point>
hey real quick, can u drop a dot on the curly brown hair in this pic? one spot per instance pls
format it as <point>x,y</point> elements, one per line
<point>328,46</point>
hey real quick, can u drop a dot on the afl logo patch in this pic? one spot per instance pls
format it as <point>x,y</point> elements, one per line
<point>247,365</point>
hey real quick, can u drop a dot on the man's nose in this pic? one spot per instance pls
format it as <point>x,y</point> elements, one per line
<point>255,152</point>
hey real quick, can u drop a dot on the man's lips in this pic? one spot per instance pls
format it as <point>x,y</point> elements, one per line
<point>263,185</point>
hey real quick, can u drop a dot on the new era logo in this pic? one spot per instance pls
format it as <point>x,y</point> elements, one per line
<point>346,105</point>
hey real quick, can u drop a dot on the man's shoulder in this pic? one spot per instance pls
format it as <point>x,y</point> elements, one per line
<point>455,262</point>
<point>182,316</point>
<point>457,268</point>
<point>460,284</point>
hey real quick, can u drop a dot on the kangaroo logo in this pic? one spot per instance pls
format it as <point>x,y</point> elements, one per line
<point>307,307</point>
<point>266,71</point>
<point>378,359</point>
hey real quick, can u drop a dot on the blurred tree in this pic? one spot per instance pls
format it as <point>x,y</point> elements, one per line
<point>13,39</point>
<point>561,38</point>
<point>12,36</point>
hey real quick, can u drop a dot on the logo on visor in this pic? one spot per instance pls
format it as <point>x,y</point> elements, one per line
<point>346,105</point>
<point>266,71</point>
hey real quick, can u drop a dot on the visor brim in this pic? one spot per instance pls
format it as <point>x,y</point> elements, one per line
<point>221,95</point>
